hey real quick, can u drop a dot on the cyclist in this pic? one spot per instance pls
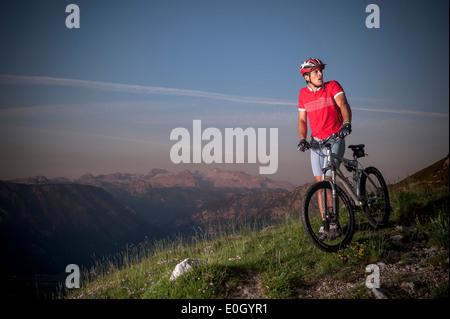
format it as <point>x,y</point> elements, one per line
<point>326,107</point>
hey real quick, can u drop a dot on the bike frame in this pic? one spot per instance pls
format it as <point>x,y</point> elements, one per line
<point>355,193</point>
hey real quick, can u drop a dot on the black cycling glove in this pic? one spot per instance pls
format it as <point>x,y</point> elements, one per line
<point>303,145</point>
<point>345,130</point>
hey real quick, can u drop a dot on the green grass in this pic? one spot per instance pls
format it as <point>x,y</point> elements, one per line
<point>427,209</point>
<point>250,263</point>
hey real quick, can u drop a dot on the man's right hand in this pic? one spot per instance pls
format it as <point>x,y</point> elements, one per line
<point>303,145</point>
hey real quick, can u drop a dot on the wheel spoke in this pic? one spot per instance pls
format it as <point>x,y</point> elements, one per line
<point>374,189</point>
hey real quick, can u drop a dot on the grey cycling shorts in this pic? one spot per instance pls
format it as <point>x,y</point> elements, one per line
<point>319,156</point>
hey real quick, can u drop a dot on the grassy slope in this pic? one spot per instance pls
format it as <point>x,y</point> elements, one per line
<point>278,262</point>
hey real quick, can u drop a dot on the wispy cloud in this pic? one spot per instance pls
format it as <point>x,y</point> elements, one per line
<point>58,132</point>
<point>403,112</point>
<point>41,80</point>
<point>139,89</point>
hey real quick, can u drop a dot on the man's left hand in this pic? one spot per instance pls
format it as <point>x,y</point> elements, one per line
<point>345,130</point>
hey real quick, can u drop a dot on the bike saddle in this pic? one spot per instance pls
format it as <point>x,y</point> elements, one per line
<point>357,147</point>
<point>358,150</point>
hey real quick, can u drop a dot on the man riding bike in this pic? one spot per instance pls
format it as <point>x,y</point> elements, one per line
<point>326,106</point>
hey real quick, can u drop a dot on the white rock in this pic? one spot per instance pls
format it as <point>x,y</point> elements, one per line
<point>184,267</point>
<point>181,268</point>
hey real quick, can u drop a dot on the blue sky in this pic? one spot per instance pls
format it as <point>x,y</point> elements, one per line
<point>104,98</point>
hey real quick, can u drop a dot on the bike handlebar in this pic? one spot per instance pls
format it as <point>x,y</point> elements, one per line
<point>322,142</point>
<point>325,141</point>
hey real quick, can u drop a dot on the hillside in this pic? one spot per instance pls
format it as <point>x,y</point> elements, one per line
<point>435,176</point>
<point>280,262</point>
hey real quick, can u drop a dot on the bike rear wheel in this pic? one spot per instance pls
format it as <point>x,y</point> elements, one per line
<point>377,205</point>
<point>312,217</point>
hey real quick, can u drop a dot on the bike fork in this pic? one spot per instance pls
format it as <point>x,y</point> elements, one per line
<point>325,207</point>
<point>334,193</point>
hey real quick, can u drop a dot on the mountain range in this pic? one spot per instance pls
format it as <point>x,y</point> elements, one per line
<point>160,196</point>
<point>162,178</point>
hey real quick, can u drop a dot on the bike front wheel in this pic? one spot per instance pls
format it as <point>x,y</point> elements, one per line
<point>375,192</point>
<point>317,202</point>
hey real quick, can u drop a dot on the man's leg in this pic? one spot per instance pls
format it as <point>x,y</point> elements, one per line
<point>320,198</point>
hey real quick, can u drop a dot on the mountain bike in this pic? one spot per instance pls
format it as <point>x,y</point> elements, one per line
<point>327,203</point>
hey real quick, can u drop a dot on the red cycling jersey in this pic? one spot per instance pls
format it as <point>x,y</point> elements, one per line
<point>325,117</point>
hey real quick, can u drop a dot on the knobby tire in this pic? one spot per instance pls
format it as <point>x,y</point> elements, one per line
<point>378,210</point>
<point>312,225</point>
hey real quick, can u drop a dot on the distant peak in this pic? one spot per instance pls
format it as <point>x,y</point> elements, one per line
<point>157,171</point>
<point>87,176</point>
<point>185,172</point>
<point>41,179</point>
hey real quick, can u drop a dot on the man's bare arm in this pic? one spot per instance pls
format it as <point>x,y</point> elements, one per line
<point>342,102</point>
<point>302,124</point>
